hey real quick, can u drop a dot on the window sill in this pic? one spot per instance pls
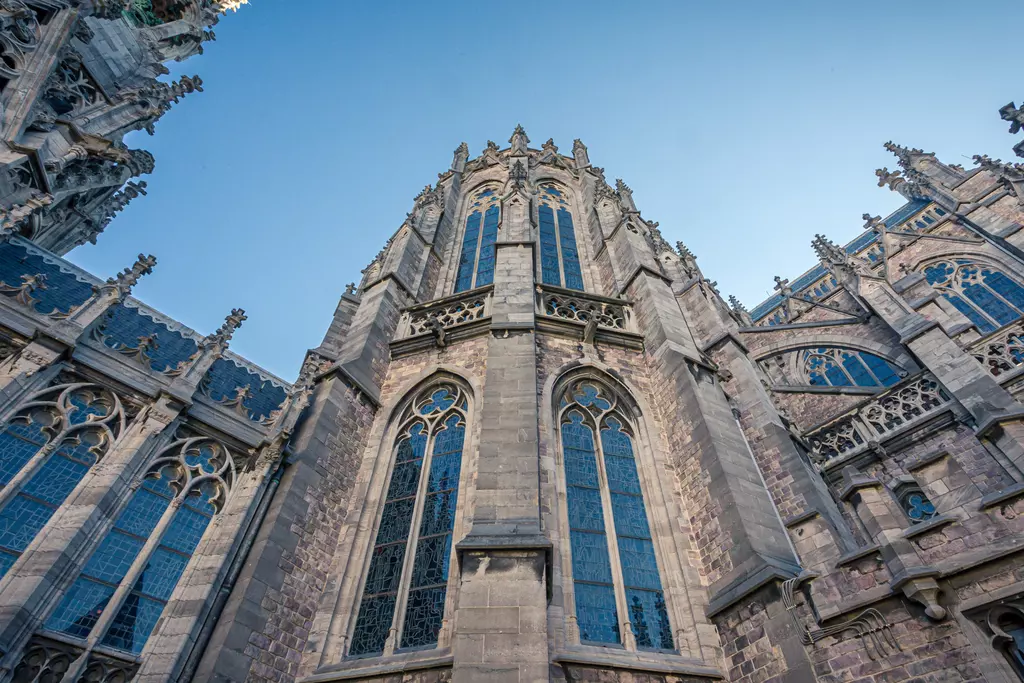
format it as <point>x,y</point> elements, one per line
<point>382,666</point>
<point>936,522</point>
<point>644,662</point>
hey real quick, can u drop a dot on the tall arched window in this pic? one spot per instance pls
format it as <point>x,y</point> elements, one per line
<point>476,264</point>
<point>403,603</point>
<point>1006,625</point>
<point>559,258</point>
<point>45,451</point>
<point>836,367</point>
<point>127,581</point>
<point>983,293</point>
<point>616,582</point>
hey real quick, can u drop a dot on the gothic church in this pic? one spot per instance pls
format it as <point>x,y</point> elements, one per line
<point>535,444</point>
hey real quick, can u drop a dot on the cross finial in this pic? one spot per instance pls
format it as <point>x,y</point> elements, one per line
<point>129,277</point>
<point>781,285</point>
<point>871,221</point>
<point>350,288</point>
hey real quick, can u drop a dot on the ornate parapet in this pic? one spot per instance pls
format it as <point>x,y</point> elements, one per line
<point>1002,352</point>
<point>872,423</point>
<point>586,316</point>
<point>442,321</point>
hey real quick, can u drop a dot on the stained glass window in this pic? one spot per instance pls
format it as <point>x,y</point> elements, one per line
<point>601,526</point>
<point>122,556</point>
<point>837,367</point>
<point>476,262</point>
<point>77,419</point>
<point>559,257</point>
<point>987,296</point>
<point>1014,627</point>
<point>427,467</point>
<point>916,504</point>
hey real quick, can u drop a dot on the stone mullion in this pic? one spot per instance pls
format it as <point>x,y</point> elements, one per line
<point>612,539</point>
<point>394,641</point>
<point>572,634</point>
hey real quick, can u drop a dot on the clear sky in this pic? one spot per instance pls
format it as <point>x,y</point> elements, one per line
<point>744,128</point>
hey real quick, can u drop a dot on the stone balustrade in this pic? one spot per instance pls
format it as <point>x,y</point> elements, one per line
<point>876,419</point>
<point>581,307</point>
<point>444,315</point>
<point>1002,351</point>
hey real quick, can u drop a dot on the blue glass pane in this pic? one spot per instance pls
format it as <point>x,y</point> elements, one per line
<point>6,562</point>
<point>984,299</point>
<point>440,401</point>
<point>649,620</point>
<point>134,622</point>
<point>630,516</point>
<point>203,456</point>
<point>142,513</point>
<point>485,268</point>
<point>185,530</point>
<point>161,574</point>
<point>596,614</point>
<point>56,479</point>
<point>982,323</point>
<point>405,478</point>
<point>438,513</point>
<point>85,404</point>
<point>570,256</point>
<point>1007,288</point>
<point>588,395</point>
<point>80,608</point>
<point>464,278</point>
<point>385,569</point>
<point>590,557</point>
<point>445,468</point>
<point>858,371</point>
<point>395,521</point>
<point>548,248</point>
<point>885,372</point>
<point>412,446</point>
<point>939,273</point>
<point>112,559</point>
<point>373,625</point>
<point>585,511</point>
<point>18,443</point>
<point>918,507</point>
<point>639,568</point>
<point>20,521</point>
<point>423,617</point>
<point>835,375</point>
<point>433,556</point>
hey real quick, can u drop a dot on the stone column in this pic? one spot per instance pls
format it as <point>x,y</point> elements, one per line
<point>501,622</point>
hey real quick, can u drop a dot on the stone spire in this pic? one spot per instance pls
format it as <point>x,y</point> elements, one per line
<point>519,141</point>
<point>829,253</point>
<point>905,155</point>
<point>129,277</point>
<point>740,312</point>
<point>223,335</point>
<point>688,260</point>
<point>896,181</point>
<point>625,196</point>
<point>550,146</point>
<point>459,160</point>
<point>579,154</point>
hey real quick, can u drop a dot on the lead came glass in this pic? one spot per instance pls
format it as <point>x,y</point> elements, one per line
<point>560,259</point>
<point>594,585</point>
<point>984,294</point>
<point>837,367</point>
<point>428,466</point>
<point>476,261</point>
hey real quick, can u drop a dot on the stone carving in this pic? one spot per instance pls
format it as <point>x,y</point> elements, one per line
<point>129,277</point>
<point>580,154</point>
<point>517,174</point>
<point>739,312</point>
<point>1015,116</point>
<point>19,37</point>
<point>688,260</point>
<point>1001,351</point>
<point>67,92</point>
<point>44,661</point>
<point>519,142</point>
<point>107,670</point>
<point>581,308</point>
<point>905,403</point>
<point>223,335</point>
<point>436,319</point>
<point>904,154</point>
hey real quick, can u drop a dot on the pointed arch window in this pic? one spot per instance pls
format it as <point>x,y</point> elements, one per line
<point>986,295</point>
<point>476,264</point>
<point>45,452</point>
<point>406,589</point>
<point>127,581</point>
<point>560,259</point>
<point>838,367</point>
<point>617,586</point>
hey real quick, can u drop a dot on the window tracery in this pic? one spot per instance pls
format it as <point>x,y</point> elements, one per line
<point>560,259</point>
<point>616,581</point>
<point>127,581</point>
<point>915,504</point>
<point>831,366</point>
<point>476,263</point>
<point>46,449</point>
<point>403,601</point>
<point>1005,624</point>
<point>987,296</point>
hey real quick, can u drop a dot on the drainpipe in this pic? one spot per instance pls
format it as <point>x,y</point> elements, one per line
<point>241,555</point>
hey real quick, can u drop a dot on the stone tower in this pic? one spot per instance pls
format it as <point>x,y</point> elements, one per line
<point>75,77</point>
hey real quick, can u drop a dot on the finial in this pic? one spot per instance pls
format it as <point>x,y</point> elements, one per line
<point>736,305</point>
<point>519,141</point>
<point>350,289</point>
<point>684,252</point>
<point>621,186</point>
<point>518,174</point>
<point>579,154</point>
<point>902,153</point>
<point>231,323</point>
<point>492,146</point>
<point>782,285</point>
<point>127,278</point>
<point>550,146</point>
<point>885,177</point>
<point>459,160</point>
<point>871,221</point>
<point>827,250</point>
<point>1014,115</point>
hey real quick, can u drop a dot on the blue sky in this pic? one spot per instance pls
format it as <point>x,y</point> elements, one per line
<point>744,128</point>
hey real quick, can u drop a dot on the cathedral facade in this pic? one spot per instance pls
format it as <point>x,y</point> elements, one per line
<point>535,444</point>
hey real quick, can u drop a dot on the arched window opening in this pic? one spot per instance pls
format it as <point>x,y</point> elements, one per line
<point>175,503</point>
<point>1014,649</point>
<point>837,367</point>
<point>403,602</point>
<point>45,451</point>
<point>915,504</point>
<point>608,519</point>
<point>987,296</point>
<point>560,259</point>
<point>1005,623</point>
<point>476,264</point>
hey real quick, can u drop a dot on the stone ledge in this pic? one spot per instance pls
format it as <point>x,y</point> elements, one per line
<point>640,662</point>
<point>994,420</point>
<point>859,554</point>
<point>771,570</point>
<point>375,667</point>
<point>912,574</point>
<point>794,520</point>
<point>936,522</point>
<point>801,326</point>
<point>999,497</point>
